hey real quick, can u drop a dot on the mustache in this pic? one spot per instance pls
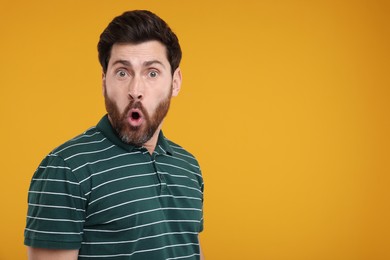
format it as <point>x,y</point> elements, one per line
<point>134,105</point>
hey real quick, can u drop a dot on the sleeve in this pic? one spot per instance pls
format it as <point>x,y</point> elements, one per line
<point>56,207</point>
<point>202,219</point>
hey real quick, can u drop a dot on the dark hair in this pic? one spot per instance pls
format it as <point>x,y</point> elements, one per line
<point>135,27</point>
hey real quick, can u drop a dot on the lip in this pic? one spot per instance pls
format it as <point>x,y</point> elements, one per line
<point>135,117</point>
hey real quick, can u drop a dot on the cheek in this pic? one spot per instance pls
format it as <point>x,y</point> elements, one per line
<point>157,99</point>
<point>150,104</point>
<point>119,99</point>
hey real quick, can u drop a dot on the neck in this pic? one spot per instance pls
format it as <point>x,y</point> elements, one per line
<point>150,145</point>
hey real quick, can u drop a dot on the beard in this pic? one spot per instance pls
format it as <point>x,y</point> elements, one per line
<point>136,135</point>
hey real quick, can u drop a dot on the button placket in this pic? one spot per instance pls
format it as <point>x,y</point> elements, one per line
<point>160,176</point>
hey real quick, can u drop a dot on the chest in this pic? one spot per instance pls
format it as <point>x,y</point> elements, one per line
<point>143,191</point>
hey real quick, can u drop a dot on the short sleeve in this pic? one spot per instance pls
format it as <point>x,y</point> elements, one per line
<point>56,207</point>
<point>201,227</point>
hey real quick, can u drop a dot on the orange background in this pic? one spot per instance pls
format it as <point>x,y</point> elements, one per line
<point>285,104</point>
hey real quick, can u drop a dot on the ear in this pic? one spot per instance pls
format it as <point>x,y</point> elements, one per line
<point>103,83</point>
<point>176,82</point>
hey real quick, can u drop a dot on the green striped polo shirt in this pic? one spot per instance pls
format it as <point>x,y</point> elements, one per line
<point>112,200</point>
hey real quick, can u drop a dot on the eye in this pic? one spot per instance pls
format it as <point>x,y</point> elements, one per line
<point>121,73</point>
<point>152,74</point>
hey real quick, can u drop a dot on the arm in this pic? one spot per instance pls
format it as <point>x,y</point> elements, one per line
<point>54,195</point>
<point>47,254</point>
<point>201,253</point>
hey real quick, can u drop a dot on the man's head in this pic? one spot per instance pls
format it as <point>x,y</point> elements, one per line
<point>136,27</point>
<point>140,56</point>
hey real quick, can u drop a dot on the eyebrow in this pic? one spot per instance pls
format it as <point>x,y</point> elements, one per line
<point>146,63</point>
<point>123,62</point>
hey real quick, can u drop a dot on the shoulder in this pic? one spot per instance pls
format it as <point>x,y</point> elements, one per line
<point>80,150</point>
<point>186,160</point>
<point>184,163</point>
<point>182,153</point>
<point>90,140</point>
<point>62,163</point>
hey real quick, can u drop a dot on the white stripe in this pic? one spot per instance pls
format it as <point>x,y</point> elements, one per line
<point>178,176</point>
<point>141,251</point>
<point>78,144</point>
<point>162,148</point>
<point>105,159</point>
<point>57,233</point>
<point>123,178</point>
<point>182,186</point>
<point>115,168</point>
<point>57,219</point>
<point>140,226</point>
<point>124,203</point>
<point>131,215</point>
<point>177,158</point>
<point>148,211</point>
<point>85,135</point>
<point>185,155</point>
<point>97,151</point>
<point>129,189</point>
<point>51,206</point>
<point>182,257</point>
<point>56,180</point>
<point>181,197</point>
<point>57,193</point>
<point>55,167</point>
<point>181,168</point>
<point>121,166</point>
<point>174,208</point>
<point>139,239</point>
<point>173,145</point>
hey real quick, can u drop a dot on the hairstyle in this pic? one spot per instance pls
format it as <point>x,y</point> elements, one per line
<point>135,27</point>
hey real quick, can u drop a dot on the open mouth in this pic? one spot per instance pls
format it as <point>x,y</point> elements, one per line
<point>135,117</point>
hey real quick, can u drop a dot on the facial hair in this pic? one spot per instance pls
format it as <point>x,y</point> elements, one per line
<point>136,135</point>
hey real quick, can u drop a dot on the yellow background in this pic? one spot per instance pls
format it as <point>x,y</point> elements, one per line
<point>285,104</point>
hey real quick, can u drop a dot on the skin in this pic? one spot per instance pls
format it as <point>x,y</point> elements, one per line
<point>48,254</point>
<point>135,71</point>
<point>140,72</point>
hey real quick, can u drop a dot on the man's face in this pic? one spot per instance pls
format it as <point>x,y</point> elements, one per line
<point>138,87</point>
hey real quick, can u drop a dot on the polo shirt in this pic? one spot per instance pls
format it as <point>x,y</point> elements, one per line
<point>113,200</point>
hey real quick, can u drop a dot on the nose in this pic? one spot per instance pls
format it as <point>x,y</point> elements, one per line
<point>135,91</point>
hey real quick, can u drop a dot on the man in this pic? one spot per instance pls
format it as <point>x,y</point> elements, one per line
<point>121,190</point>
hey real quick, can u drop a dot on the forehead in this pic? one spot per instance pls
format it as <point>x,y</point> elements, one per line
<point>139,53</point>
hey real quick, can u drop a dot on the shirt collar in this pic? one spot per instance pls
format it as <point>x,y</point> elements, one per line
<point>108,131</point>
<point>163,144</point>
